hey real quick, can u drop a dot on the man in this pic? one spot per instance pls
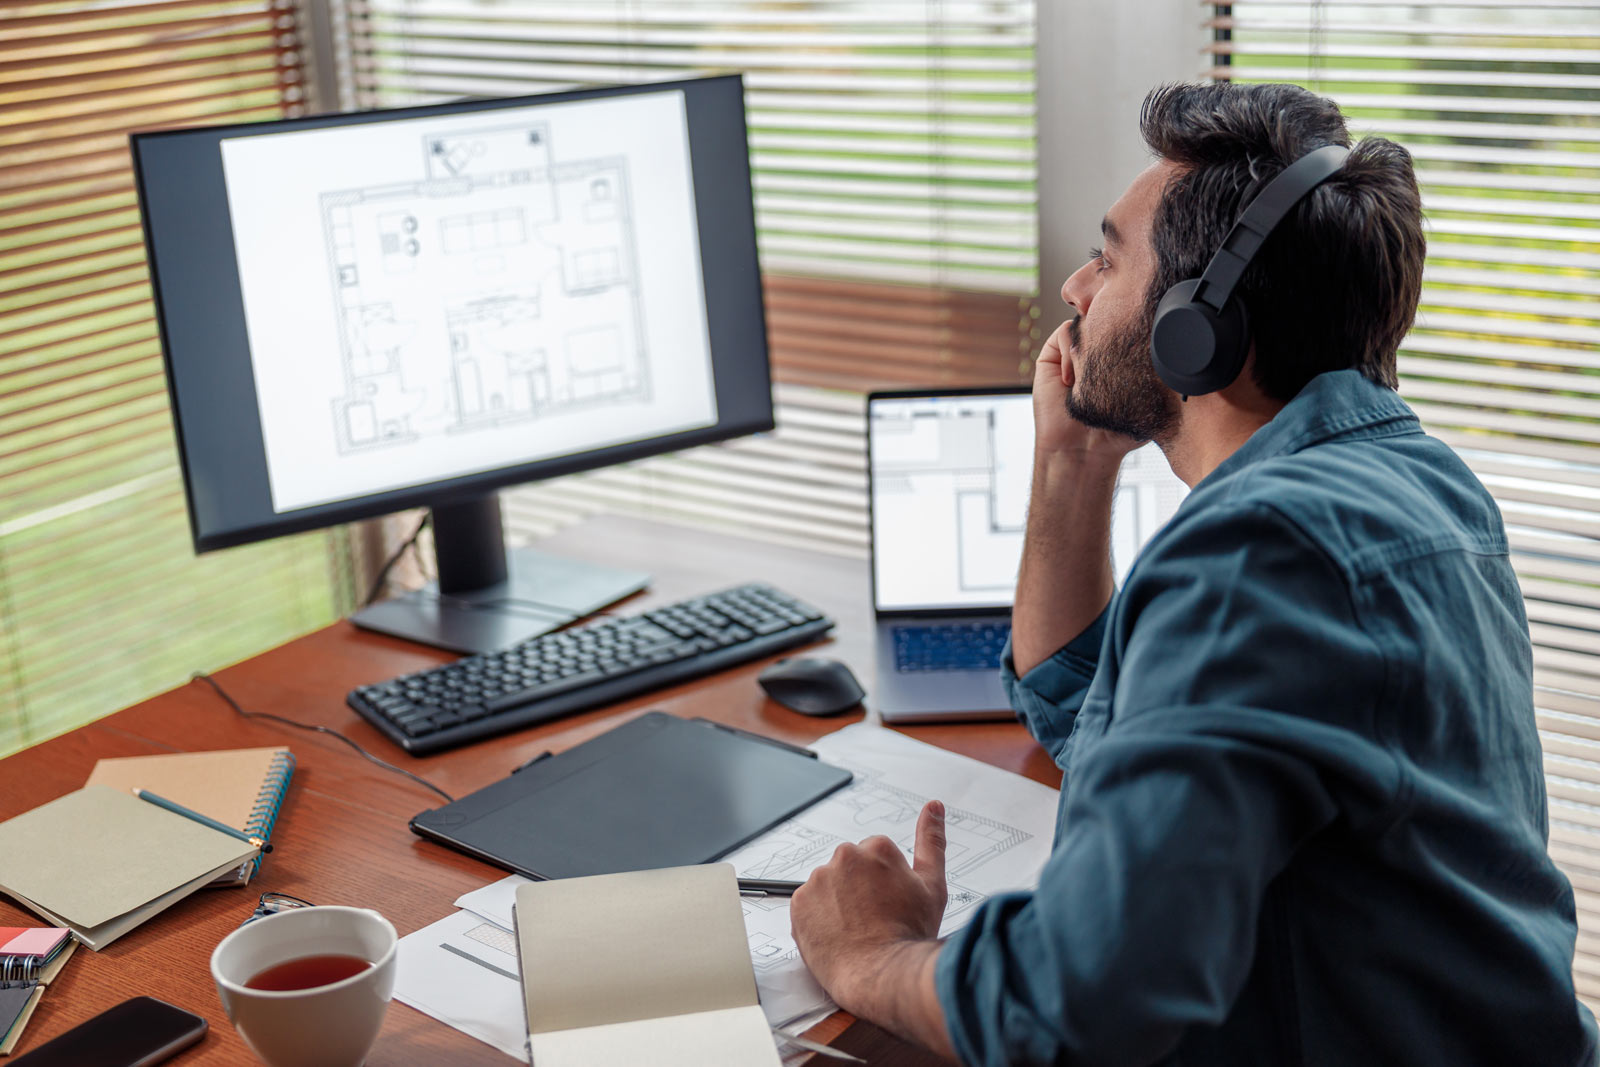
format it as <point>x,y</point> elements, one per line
<point>1303,816</point>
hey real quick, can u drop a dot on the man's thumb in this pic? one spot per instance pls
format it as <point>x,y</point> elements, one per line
<point>928,858</point>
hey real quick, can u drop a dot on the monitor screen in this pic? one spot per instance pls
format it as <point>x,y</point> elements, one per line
<point>367,312</point>
<point>949,497</point>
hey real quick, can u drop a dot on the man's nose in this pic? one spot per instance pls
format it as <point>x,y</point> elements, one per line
<point>1079,289</point>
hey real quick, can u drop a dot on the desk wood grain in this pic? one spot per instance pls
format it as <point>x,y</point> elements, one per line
<point>342,834</point>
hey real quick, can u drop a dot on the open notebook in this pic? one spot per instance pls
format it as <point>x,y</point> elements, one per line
<point>642,967</point>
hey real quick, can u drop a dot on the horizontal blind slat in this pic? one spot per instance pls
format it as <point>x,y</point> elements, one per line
<point>102,593</point>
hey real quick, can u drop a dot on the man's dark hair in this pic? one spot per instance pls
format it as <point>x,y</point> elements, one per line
<point>1337,283</point>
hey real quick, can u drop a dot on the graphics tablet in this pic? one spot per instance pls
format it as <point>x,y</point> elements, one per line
<point>658,791</point>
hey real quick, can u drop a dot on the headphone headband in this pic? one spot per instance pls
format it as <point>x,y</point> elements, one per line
<point>1201,336</point>
<point>1269,207</point>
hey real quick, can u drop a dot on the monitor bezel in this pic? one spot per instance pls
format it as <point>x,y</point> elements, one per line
<point>734,219</point>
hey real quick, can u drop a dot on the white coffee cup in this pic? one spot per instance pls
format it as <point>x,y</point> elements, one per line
<point>326,1026</point>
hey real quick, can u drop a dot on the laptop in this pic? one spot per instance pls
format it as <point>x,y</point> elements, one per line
<point>948,475</point>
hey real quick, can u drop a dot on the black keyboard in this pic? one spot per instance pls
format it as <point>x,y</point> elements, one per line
<point>559,673</point>
<point>949,646</point>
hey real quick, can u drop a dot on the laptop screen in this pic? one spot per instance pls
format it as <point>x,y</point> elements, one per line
<point>949,479</point>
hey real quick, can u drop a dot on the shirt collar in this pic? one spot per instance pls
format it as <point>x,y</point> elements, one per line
<point>1340,403</point>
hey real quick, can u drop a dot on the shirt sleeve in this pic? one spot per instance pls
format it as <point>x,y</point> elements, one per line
<point>1047,698</point>
<point>1237,728</point>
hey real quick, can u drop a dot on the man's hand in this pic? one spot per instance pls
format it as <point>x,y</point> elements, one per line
<point>1065,576</point>
<point>866,922</point>
<point>1055,431</point>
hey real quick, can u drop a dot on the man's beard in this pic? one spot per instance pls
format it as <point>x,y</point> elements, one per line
<point>1117,388</point>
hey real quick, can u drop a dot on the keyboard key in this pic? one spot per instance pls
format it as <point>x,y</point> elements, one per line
<point>544,692</point>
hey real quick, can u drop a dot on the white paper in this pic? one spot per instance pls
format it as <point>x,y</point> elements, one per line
<point>436,296</point>
<point>731,1037</point>
<point>463,971</point>
<point>998,828</point>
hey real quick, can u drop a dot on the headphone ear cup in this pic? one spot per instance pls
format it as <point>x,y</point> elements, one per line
<point>1196,350</point>
<point>1233,345</point>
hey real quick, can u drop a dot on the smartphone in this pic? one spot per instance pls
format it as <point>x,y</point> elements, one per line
<point>135,1033</point>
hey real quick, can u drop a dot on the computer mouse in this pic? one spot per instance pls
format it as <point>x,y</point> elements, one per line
<point>812,686</point>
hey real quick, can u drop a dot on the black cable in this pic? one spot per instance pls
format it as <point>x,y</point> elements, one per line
<point>201,676</point>
<point>383,574</point>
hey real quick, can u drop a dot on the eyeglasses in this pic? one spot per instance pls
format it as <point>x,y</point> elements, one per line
<point>272,903</point>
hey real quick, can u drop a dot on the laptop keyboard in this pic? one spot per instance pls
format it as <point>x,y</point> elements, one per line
<point>949,646</point>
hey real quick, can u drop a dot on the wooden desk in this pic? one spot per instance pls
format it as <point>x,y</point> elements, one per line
<point>341,837</point>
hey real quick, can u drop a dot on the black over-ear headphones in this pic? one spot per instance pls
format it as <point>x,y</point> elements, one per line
<point>1201,336</point>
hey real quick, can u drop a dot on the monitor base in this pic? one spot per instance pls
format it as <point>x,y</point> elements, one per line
<point>541,593</point>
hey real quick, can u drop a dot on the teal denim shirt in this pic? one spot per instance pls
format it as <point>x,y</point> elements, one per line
<point>1303,818</point>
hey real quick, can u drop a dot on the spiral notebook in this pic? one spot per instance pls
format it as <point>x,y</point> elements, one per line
<point>242,787</point>
<point>30,958</point>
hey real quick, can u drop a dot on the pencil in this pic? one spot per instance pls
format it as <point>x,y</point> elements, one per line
<point>204,820</point>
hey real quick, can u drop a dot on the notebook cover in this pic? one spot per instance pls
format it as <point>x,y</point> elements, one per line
<point>643,967</point>
<point>658,791</point>
<point>620,947</point>
<point>99,936</point>
<point>225,785</point>
<point>17,1002</point>
<point>94,855</point>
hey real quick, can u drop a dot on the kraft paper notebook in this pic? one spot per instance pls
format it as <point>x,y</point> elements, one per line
<point>100,862</point>
<point>646,967</point>
<point>242,788</point>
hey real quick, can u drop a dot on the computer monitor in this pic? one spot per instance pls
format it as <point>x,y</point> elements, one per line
<point>362,313</point>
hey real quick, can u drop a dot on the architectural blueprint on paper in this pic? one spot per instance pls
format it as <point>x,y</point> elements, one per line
<point>498,286</point>
<point>463,971</point>
<point>998,826</point>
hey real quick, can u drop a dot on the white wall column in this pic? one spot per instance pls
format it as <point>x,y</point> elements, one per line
<point>1096,61</point>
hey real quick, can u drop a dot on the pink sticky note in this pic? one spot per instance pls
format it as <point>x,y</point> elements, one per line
<point>39,942</point>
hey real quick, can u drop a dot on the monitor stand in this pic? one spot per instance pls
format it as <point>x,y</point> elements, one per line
<point>487,599</point>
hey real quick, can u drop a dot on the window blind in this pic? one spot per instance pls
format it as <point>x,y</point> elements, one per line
<point>803,484</point>
<point>1499,105</point>
<point>892,145</point>
<point>102,601</point>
